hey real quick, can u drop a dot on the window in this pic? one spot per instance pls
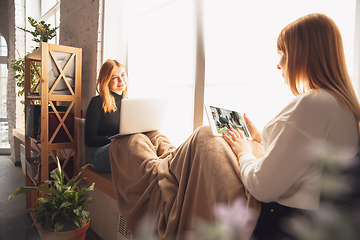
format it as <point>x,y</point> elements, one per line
<point>50,13</point>
<point>161,59</point>
<point>239,39</point>
<point>46,10</point>
<point>241,57</point>
<point>47,5</point>
<point>4,128</point>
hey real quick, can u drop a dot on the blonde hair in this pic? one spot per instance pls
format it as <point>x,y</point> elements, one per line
<point>102,86</point>
<point>315,57</point>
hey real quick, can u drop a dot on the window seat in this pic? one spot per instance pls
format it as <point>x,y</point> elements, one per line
<point>102,180</point>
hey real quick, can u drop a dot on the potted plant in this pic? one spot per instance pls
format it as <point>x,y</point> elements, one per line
<point>19,66</point>
<point>62,210</point>
<point>42,32</point>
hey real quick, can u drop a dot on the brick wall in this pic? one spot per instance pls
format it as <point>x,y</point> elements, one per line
<point>4,24</point>
<point>20,47</point>
<point>80,28</point>
<point>16,49</point>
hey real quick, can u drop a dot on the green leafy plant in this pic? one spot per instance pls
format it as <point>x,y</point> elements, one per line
<point>63,207</point>
<point>19,66</point>
<point>42,32</point>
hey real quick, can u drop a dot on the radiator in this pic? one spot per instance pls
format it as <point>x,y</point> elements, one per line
<point>124,232</point>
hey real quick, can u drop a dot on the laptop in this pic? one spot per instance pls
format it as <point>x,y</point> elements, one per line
<point>141,115</point>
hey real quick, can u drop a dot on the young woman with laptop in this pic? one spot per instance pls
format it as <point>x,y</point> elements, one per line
<point>103,113</point>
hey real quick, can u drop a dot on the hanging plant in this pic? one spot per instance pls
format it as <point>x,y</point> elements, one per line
<point>42,31</point>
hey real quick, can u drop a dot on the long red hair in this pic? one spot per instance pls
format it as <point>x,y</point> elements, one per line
<point>102,86</point>
<point>315,58</point>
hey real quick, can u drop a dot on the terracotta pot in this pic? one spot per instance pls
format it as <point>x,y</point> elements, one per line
<point>77,234</point>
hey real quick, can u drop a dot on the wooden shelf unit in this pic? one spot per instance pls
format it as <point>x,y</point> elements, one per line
<point>49,97</point>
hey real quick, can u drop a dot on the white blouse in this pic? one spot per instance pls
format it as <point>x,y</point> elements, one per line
<point>296,140</point>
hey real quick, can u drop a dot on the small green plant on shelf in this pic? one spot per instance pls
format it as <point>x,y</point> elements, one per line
<point>42,31</point>
<point>63,207</point>
<point>19,66</point>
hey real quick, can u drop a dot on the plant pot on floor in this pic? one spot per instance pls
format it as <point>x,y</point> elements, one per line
<point>77,234</point>
<point>62,203</point>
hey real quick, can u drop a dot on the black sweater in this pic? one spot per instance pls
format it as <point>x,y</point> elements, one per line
<point>100,125</point>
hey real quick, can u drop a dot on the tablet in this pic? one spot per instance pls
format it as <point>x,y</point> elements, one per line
<point>221,119</point>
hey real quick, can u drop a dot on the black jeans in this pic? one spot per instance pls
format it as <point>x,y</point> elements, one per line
<point>272,220</point>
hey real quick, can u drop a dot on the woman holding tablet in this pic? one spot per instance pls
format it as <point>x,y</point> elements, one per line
<point>325,114</point>
<point>103,113</point>
<point>281,168</point>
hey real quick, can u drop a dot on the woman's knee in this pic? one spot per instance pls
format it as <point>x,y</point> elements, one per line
<point>134,143</point>
<point>101,159</point>
<point>204,129</point>
<point>204,132</point>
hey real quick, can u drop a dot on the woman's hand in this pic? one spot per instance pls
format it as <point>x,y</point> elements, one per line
<point>237,141</point>
<point>254,132</point>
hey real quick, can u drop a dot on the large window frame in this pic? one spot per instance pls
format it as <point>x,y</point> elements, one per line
<point>199,96</point>
<point>4,127</point>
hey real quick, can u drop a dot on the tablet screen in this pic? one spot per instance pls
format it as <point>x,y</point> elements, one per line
<point>221,119</point>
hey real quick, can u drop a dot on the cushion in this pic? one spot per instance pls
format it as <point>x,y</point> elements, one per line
<point>82,155</point>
